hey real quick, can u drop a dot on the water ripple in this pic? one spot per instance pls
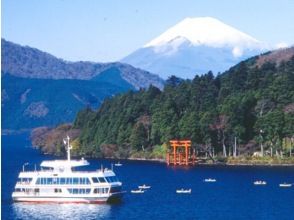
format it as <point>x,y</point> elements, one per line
<point>60,211</point>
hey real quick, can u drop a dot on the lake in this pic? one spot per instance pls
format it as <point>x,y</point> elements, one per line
<point>232,196</point>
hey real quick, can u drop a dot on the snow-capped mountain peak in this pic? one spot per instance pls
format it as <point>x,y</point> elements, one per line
<point>195,46</point>
<point>204,31</point>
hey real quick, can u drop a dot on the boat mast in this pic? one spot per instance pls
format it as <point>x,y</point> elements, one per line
<point>69,147</point>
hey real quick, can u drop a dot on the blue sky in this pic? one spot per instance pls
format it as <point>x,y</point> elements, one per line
<point>108,30</point>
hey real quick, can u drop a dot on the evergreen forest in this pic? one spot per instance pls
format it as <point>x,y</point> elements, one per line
<point>238,112</point>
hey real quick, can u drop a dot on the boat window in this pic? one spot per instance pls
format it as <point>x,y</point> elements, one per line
<point>104,190</point>
<point>43,181</point>
<point>84,181</point>
<point>95,180</point>
<point>68,180</point>
<point>75,180</point>
<point>37,190</point>
<point>79,191</point>
<point>55,181</point>
<point>25,180</point>
<point>57,190</point>
<point>84,191</point>
<point>28,190</point>
<point>101,179</point>
<point>101,190</point>
<point>62,181</point>
<point>38,181</point>
<point>49,181</point>
<point>111,179</point>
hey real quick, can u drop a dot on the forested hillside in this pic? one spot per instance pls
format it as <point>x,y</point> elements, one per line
<point>251,104</point>
<point>29,103</point>
<point>39,89</point>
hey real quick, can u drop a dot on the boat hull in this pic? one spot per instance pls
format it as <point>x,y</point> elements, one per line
<point>85,200</point>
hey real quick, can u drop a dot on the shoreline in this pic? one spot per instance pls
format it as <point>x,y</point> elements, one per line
<point>158,160</point>
<point>262,165</point>
<point>144,159</point>
<point>207,164</point>
<point>242,163</point>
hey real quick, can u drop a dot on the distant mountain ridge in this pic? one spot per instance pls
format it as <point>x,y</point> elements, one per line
<point>195,46</point>
<point>39,89</point>
<point>27,62</point>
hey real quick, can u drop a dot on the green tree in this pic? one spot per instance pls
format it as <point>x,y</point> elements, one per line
<point>138,137</point>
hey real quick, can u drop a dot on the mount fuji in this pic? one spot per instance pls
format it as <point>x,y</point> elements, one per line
<point>195,46</point>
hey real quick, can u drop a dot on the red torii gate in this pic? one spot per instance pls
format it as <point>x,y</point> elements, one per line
<point>180,154</point>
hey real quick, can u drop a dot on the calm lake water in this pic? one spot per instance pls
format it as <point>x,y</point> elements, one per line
<point>233,196</point>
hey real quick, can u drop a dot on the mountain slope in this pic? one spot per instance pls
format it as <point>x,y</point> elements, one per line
<point>39,89</point>
<point>28,103</point>
<point>195,46</point>
<point>27,62</point>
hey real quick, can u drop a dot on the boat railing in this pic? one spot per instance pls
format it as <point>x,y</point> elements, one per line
<point>23,182</point>
<point>73,171</point>
<point>36,171</point>
<point>26,193</point>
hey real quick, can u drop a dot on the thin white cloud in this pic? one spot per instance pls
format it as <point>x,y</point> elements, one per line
<point>281,45</point>
<point>237,52</point>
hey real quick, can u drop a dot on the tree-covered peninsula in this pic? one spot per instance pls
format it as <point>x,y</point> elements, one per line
<point>247,110</point>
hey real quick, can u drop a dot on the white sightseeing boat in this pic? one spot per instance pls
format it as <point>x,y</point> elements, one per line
<point>58,182</point>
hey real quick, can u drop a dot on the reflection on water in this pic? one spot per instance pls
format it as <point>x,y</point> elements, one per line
<point>61,211</point>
